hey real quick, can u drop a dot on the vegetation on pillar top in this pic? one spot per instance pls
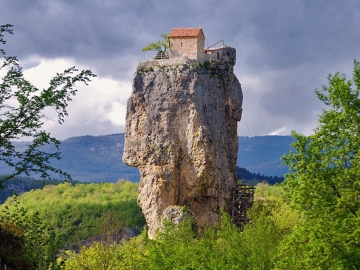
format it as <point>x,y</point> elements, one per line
<point>161,46</point>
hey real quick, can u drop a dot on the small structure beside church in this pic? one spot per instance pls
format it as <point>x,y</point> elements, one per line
<point>187,43</point>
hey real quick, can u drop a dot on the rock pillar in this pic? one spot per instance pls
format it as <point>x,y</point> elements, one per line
<point>181,132</point>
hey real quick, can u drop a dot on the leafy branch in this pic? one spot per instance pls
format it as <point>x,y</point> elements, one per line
<point>22,115</point>
<point>161,46</point>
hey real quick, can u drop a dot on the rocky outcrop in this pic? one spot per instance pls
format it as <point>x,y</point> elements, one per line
<point>181,132</point>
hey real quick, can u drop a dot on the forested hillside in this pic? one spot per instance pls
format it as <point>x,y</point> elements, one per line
<point>55,216</point>
<point>80,210</point>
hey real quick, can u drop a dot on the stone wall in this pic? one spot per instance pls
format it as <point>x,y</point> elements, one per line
<point>186,47</point>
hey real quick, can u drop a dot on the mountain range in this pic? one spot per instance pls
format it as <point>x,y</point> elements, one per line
<point>99,158</point>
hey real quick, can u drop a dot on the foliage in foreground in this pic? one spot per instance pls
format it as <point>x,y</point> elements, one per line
<point>25,242</point>
<point>175,247</point>
<point>180,247</point>
<point>324,183</point>
<point>36,224</point>
<point>78,211</point>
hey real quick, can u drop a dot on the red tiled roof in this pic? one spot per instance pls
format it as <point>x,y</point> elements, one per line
<point>186,32</point>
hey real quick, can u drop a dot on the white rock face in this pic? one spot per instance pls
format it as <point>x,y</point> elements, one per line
<point>181,132</point>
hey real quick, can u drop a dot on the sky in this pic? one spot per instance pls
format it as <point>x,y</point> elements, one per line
<point>285,50</point>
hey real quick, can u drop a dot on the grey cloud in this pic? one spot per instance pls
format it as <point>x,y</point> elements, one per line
<point>294,43</point>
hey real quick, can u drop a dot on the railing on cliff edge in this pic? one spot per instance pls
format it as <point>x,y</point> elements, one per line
<point>223,44</point>
<point>156,55</point>
<point>242,200</point>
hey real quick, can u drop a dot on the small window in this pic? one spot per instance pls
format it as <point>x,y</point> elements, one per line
<point>218,55</point>
<point>181,43</point>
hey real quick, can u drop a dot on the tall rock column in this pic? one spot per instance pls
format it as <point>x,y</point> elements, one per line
<point>181,132</point>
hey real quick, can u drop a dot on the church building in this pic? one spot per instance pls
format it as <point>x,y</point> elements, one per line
<point>187,43</point>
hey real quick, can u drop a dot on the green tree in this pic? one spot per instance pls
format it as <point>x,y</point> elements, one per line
<point>25,242</point>
<point>79,210</point>
<point>181,246</point>
<point>161,46</point>
<point>324,183</point>
<point>22,115</point>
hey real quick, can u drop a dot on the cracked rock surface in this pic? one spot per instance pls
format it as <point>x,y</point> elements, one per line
<point>181,132</point>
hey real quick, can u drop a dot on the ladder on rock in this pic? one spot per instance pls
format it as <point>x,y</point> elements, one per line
<point>242,200</point>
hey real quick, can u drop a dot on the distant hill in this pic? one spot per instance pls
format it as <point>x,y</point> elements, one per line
<point>253,179</point>
<point>96,159</point>
<point>262,154</point>
<point>99,158</point>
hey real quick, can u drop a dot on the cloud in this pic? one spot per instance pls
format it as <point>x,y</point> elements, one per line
<point>97,109</point>
<point>279,131</point>
<point>285,49</point>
